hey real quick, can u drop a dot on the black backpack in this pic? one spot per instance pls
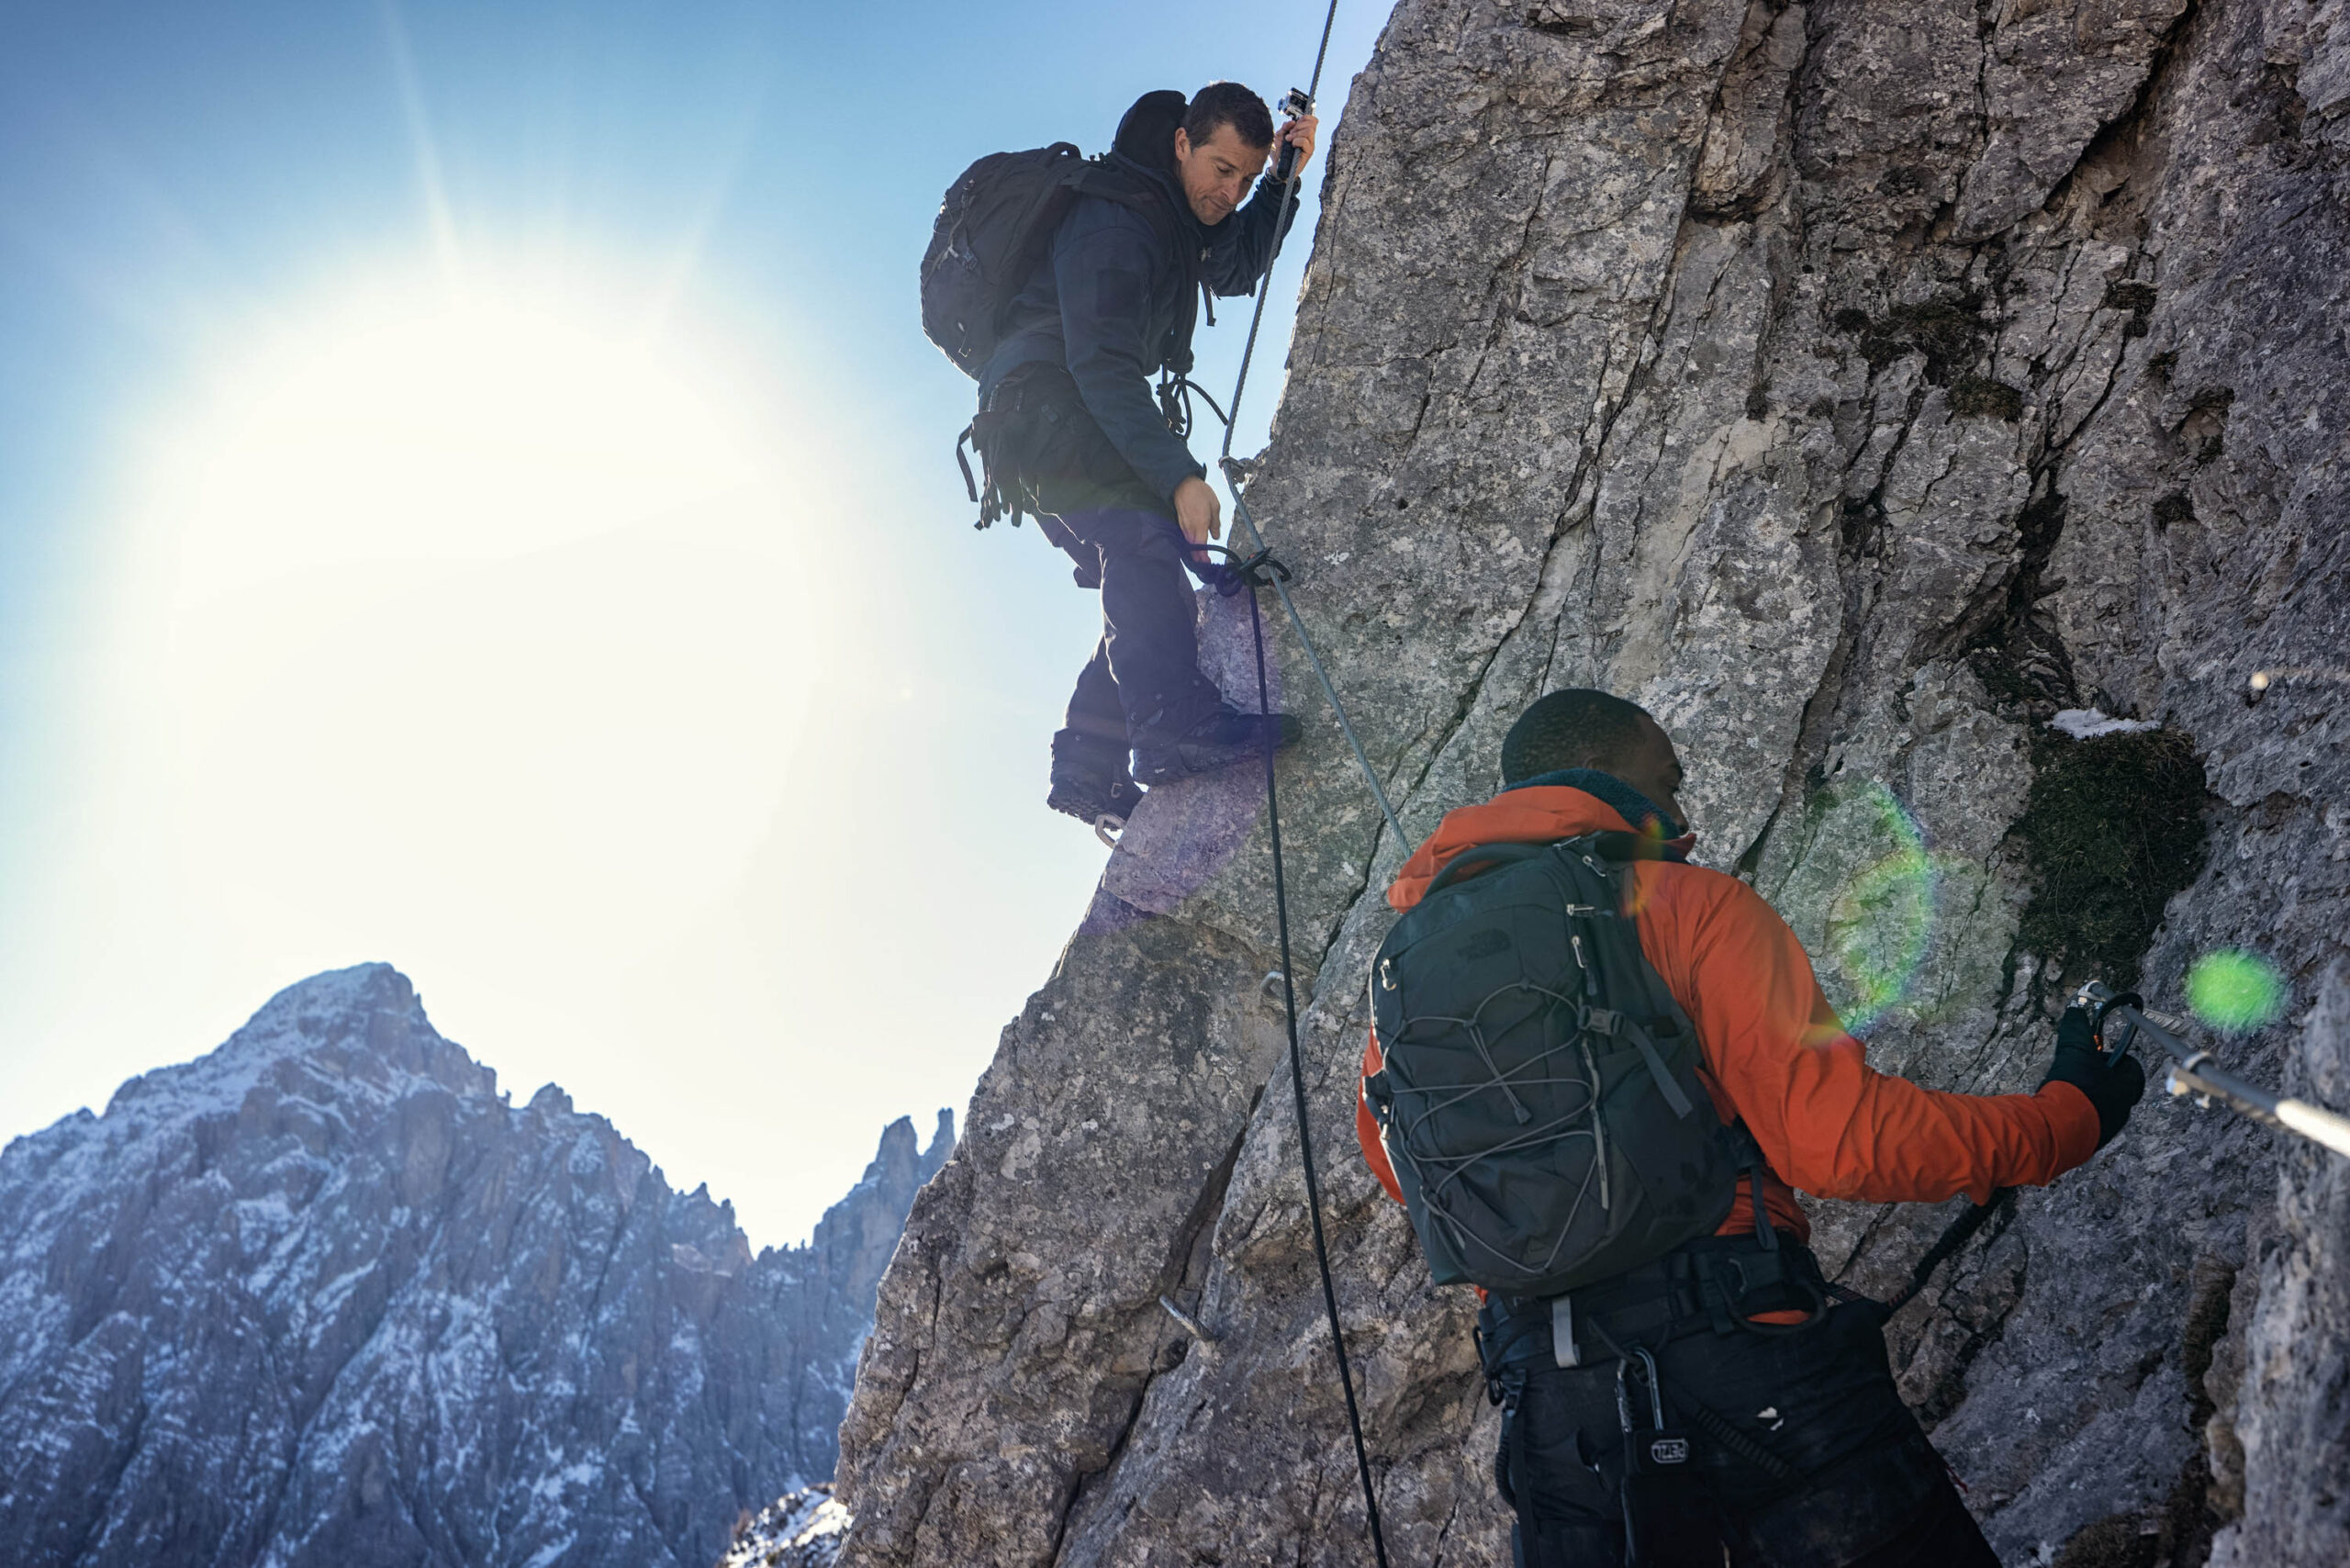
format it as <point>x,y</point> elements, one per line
<point>994,225</point>
<point>1539,1098</point>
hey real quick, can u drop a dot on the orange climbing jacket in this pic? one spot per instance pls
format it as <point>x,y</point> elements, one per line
<point>1775,1055</point>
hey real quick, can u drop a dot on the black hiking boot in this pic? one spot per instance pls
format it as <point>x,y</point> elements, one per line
<point>1092,784</point>
<point>1226,736</point>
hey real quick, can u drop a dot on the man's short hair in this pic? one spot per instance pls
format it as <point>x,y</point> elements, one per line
<point>1575,728</point>
<point>1228,102</point>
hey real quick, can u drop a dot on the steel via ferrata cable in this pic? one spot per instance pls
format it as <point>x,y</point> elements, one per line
<point>1258,569</point>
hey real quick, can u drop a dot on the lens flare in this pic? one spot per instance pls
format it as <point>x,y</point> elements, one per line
<point>2235,991</point>
<point>2261,680</point>
<point>1882,921</point>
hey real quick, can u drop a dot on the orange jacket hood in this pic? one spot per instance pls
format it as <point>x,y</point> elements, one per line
<point>1541,814</point>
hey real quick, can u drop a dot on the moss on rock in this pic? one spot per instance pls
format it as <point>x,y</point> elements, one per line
<point>1946,330</point>
<point>2112,827</point>
<point>1979,397</point>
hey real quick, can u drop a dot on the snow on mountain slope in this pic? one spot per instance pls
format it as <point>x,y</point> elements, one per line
<point>325,1295</point>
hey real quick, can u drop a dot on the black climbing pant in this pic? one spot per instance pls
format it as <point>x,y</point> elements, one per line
<point>1871,1491</point>
<point>1146,670</point>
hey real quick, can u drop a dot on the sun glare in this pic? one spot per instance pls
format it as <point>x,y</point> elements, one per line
<point>450,427</point>
<point>470,621</point>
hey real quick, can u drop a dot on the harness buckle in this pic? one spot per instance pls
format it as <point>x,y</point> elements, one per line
<point>1714,1292</point>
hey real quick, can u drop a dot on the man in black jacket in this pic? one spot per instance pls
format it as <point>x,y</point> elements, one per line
<point>1081,435</point>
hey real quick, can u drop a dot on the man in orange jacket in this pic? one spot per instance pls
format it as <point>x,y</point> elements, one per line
<point>1804,1454</point>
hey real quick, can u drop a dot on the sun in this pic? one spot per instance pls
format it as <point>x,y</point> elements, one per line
<point>472,620</point>
<point>443,424</point>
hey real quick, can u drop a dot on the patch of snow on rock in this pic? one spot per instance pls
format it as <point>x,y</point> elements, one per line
<point>803,1530</point>
<point>2087,723</point>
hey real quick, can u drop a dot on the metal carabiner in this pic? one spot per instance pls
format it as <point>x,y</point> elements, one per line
<point>1623,1396</point>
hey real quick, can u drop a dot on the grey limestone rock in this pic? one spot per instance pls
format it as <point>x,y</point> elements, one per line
<point>326,1296</point>
<point>1856,384</point>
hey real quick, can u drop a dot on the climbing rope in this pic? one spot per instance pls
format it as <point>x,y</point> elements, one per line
<point>1234,475</point>
<point>1258,569</point>
<point>1252,573</point>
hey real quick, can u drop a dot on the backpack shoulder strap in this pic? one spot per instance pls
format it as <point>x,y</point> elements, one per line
<point>1481,856</point>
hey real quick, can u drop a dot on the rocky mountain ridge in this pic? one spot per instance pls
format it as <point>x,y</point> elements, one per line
<point>326,1296</point>
<point>1858,385</point>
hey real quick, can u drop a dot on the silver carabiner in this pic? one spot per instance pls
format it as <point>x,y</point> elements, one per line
<point>1623,1395</point>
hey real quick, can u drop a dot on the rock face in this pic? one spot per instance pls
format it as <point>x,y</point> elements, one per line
<point>1856,385</point>
<point>326,1296</point>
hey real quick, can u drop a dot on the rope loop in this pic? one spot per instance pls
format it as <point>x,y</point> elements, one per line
<point>1257,571</point>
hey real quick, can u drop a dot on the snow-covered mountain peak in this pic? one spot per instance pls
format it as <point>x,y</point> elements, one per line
<point>364,1025</point>
<point>324,1294</point>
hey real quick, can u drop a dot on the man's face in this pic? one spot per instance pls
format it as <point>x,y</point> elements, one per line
<point>1218,173</point>
<point>1654,769</point>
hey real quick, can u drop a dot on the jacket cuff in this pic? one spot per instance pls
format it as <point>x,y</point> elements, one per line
<point>1170,479</point>
<point>2074,1121</point>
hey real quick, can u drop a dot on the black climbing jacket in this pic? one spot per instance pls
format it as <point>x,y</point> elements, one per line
<point>1116,297</point>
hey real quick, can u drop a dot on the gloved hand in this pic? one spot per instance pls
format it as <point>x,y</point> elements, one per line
<point>2112,1089</point>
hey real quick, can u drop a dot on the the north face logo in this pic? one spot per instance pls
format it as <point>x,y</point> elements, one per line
<point>1484,944</point>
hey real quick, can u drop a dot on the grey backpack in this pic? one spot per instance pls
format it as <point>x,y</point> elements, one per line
<point>1539,1098</point>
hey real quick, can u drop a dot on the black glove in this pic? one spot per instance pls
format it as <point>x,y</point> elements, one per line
<point>2113,1085</point>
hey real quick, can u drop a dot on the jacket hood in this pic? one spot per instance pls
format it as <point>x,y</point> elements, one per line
<point>1146,143</point>
<point>1531,813</point>
<point>1629,803</point>
<point>1147,135</point>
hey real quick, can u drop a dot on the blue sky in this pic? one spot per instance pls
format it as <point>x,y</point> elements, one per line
<point>474,493</point>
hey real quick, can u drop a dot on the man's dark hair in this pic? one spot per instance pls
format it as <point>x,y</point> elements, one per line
<point>1228,102</point>
<point>1575,728</point>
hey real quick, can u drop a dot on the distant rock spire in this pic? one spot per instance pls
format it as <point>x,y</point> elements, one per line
<point>322,1295</point>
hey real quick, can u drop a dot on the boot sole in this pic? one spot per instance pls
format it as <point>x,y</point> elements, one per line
<point>1089,807</point>
<point>1208,759</point>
